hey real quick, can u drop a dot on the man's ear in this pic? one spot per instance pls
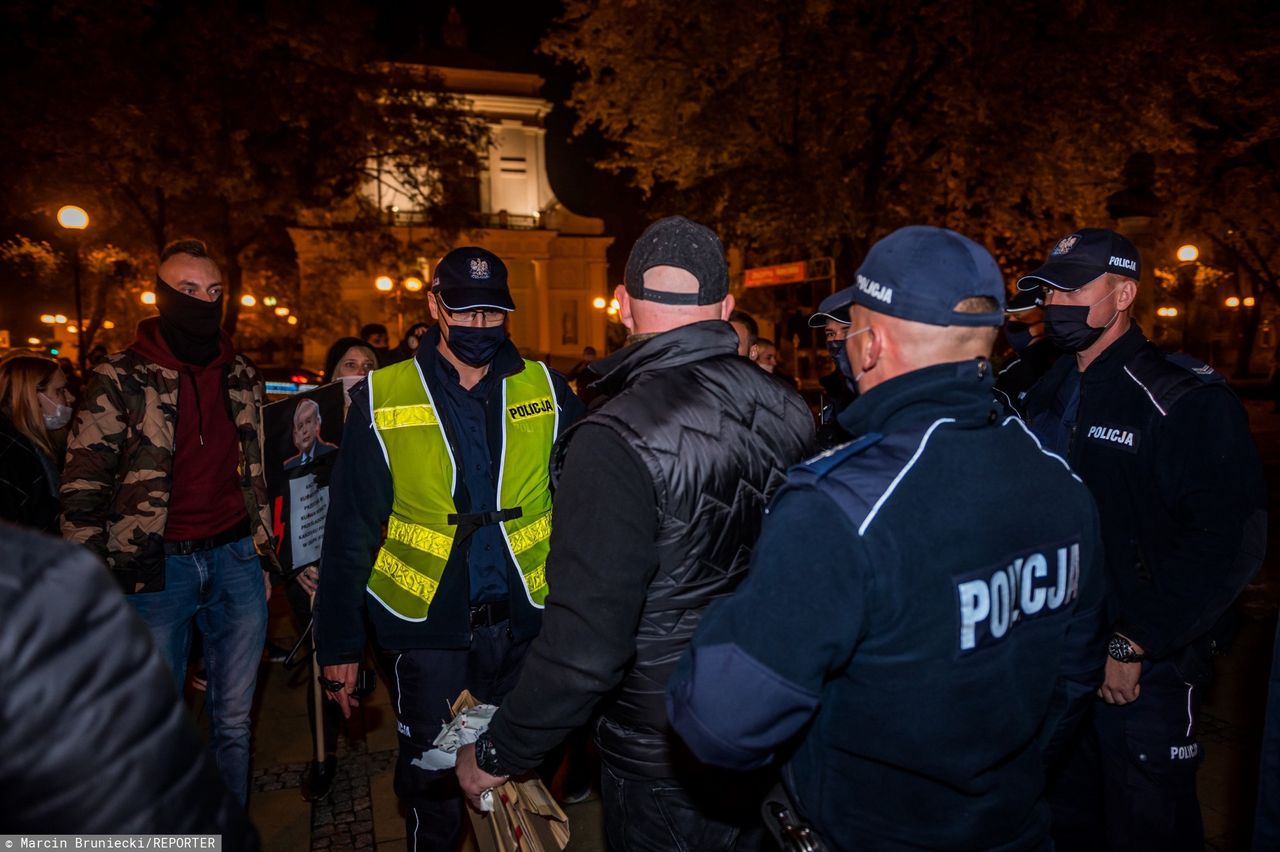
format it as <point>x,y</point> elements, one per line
<point>1126,293</point>
<point>435,311</point>
<point>624,307</point>
<point>726,307</point>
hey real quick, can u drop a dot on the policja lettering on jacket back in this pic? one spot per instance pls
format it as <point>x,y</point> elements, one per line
<point>991,603</point>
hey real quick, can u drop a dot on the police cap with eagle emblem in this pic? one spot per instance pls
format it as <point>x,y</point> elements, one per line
<point>1082,256</point>
<point>921,274</point>
<point>472,277</point>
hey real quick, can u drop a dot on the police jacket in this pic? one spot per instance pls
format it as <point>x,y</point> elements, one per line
<point>94,739</point>
<point>1164,446</point>
<point>920,627</point>
<point>660,495</point>
<point>360,501</point>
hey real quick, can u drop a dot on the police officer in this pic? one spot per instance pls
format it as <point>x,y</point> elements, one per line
<point>1164,447</point>
<point>832,317</point>
<point>449,450</point>
<point>914,649</point>
<point>1033,353</point>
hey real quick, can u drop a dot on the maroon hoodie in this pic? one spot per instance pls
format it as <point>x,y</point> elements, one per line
<point>206,499</point>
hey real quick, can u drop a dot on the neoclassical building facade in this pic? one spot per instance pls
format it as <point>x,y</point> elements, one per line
<point>556,258</point>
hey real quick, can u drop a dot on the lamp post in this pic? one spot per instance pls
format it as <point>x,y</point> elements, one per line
<point>408,284</point>
<point>1186,276</point>
<point>75,220</point>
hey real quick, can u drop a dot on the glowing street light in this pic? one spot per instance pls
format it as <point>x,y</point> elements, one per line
<point>49,319</point>
<point>292,320</point>
<point>148,297</point>
<point>1232,302</point>
<point>1188,253</point>
<point>60,319</point>
<point>598,303</point>
<point>1249,301</point>
<point>248,301</point>
<point>1167,312</point>
<point>34,341</point>
<point>384,283</point>
<point>73,218</point>
<point>413,284</point>
<point>613,305</point>
<point>282,311</point>
<point>108,325</point>
<point>71,329</point>
<point>270,301</point>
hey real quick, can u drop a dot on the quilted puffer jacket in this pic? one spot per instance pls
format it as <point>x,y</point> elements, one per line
<point>93,738</point>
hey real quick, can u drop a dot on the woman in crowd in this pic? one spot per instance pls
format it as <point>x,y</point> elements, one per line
<point>349,360</point>
<point>35,407</point>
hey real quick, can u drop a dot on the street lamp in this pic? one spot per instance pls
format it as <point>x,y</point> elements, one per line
<point>408,284</point>
<point>248,301</point>
<point>148,297</point>
<point>75,220</point>
<point>1188,253</point>
<point>1232,302</point>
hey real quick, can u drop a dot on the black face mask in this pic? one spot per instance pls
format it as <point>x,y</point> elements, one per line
<point>1068,325</point>
<point>476,345</point>
<point>1018,334</point>
<point>192,327</point>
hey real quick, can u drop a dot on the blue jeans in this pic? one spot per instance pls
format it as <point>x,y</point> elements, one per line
<point>221,591</point>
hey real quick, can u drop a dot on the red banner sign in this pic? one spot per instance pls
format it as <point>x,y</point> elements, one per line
<point>769,276</point>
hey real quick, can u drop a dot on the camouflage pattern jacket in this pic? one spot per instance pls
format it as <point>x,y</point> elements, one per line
<point>118,474</point>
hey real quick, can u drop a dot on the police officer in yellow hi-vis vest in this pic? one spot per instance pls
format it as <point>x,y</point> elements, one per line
<point>449,452</point>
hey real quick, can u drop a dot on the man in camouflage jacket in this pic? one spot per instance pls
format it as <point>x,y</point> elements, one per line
<point>164,482</point>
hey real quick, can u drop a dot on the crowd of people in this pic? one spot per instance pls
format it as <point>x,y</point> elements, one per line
<point>957,610</point>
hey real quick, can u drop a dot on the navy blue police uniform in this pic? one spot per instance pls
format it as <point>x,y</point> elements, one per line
<point>906,645</point>
<point>1164,446</point>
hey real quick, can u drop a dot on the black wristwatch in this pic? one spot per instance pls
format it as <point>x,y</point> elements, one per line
<point>486,754</point>
<point>1121,650</point>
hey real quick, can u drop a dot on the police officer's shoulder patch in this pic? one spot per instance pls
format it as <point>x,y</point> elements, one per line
<point>828,460</point>
<point>1168,376</point>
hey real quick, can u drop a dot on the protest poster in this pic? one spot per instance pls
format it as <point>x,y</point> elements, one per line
<point>302,437</point>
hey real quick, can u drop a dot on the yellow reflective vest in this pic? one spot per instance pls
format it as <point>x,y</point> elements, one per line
<point>424,475</point>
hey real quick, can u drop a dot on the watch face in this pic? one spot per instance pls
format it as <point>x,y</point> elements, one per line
<point>1119,649</point>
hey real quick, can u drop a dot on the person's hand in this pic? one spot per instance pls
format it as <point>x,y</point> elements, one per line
<point>474,780</point>
<point>345,673</point>
<point>308,579</point>
<point>266,586</point>
<point>1120,682</point>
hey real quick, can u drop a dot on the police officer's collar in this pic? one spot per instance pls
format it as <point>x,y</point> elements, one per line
<point>960,390</point>
<point>506,362</point>
<point>1114,357</point>
<point>677,347</point>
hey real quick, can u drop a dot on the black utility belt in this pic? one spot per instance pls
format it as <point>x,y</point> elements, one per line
<point>199,545</point>
<point>489,614</point>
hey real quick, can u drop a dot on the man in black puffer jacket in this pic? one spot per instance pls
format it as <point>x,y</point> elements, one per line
<point>93,739</point>
<point>661,493</point>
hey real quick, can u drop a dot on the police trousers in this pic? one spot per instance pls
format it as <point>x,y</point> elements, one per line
<point>424,683</point>
<point>1129,782</point>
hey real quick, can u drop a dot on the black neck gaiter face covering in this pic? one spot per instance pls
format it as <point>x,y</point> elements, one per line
<point>192,327</point>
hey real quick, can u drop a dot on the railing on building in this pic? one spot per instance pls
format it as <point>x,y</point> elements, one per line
<point>501,220</point>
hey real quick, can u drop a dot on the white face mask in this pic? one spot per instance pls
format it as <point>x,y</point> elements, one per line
<point>349,382</point>
<point>60,417</point>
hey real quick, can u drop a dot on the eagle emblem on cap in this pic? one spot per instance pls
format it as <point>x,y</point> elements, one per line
<point>1064,245</point>
<point>479,267</point>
